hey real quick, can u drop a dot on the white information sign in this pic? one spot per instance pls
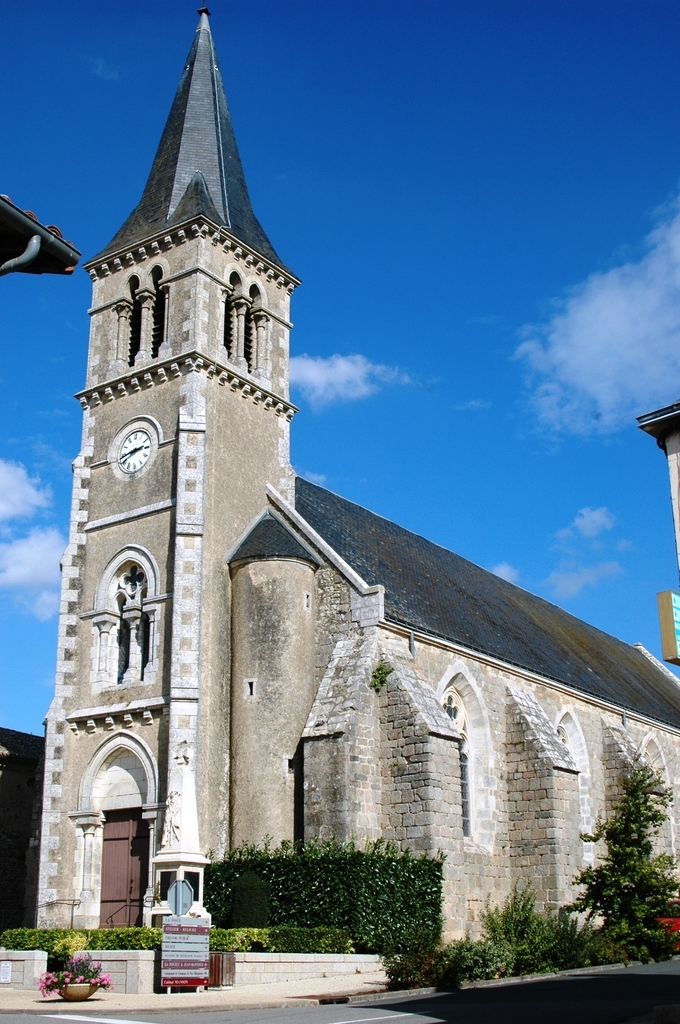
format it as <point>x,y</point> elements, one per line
<point>5,972</point>
<point>185,957</point>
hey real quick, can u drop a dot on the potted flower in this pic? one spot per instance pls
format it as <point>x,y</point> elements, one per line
<point>79,979</point>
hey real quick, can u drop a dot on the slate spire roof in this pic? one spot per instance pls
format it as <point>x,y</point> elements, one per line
<point>197,168</point>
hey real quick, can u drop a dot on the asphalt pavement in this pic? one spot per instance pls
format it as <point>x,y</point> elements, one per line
<point>604,998</point>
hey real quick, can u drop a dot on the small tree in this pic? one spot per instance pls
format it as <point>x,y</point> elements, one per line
<point>631,887</point>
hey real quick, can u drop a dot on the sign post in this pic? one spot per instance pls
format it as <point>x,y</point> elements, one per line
<point>185,956</point>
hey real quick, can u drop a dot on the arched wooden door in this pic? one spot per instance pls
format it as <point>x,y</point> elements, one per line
<point>125,868</point>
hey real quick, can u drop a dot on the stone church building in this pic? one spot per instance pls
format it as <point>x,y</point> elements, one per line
<point>222,621</point>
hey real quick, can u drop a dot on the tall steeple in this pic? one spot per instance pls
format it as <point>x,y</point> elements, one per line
<point>197,168</point>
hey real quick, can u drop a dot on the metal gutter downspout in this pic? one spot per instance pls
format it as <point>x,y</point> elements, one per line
<point>28,255</point>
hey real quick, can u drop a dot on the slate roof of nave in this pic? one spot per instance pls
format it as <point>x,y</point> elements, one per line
<point>197,168</point>
<point>20,745</point>
<point>433,590</point>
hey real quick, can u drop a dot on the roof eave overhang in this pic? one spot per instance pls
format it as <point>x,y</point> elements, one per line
<point>661,423</point>
<point>64,255</point>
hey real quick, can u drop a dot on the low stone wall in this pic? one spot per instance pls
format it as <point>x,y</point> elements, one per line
<point>132,970</point>
<point>265,968</point>
<point>21,968</point>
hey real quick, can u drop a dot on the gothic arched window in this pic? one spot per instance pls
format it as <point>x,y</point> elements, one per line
<point>135,321</point>
<point>126,622</point>
<point>158,316</point>
<point>453,706</point>
<point>133,623</point>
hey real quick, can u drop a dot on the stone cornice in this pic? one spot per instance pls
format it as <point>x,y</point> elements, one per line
<point>179,234</point>
<point>157,373</point>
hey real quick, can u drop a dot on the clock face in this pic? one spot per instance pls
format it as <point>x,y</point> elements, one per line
<point>135,451</point>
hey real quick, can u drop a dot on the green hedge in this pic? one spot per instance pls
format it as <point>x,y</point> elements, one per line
<point>383,898</point>
<point>285,939</point>
<point>61,943</point>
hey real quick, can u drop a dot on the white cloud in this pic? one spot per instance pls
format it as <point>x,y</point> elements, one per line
<point>589,522</point>
<point>506,572</point>
<point>340,378</point>
<point>29,566</point>
<point>569,582</point>
<point>315,478</point>
<point>19,494</point>
<point>32,562</point>
<point>611,351</point>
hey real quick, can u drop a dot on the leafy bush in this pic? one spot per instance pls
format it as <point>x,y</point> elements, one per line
<point>445,967</point>
<point>630,888</point>
<point>467,960</point>
<point>379,895</point>
<point>518,940</point>
<point>412,968</point>
<point>539,942</point>
<point>250,897</point>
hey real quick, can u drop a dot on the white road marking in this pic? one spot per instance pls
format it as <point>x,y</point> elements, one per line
<point>386,1016</point>
<point>125,1020</point>
<point>102,1020</point>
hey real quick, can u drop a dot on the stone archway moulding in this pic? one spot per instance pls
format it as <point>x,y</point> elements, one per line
<point>133,552</point>
<point>119,741</point>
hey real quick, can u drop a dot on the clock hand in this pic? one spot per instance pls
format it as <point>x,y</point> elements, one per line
<point>133,450</point>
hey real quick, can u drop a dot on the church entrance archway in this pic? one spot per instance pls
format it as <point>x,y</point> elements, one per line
<point>125,868</point>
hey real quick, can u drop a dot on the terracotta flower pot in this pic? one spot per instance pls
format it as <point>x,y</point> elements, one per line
<point>77,991</point>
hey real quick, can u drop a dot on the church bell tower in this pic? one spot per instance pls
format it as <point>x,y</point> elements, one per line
<point>186,420</point>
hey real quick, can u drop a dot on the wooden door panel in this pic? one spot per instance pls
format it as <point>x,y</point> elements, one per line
<point>125,864</point>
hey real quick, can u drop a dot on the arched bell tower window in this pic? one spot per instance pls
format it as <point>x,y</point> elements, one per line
<point>158,316</point>
<point>135,321</point>
<point>250,333</point>
<point>230,323</point>
<point>453,706</point>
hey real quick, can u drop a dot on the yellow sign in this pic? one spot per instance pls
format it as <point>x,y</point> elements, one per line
<point>669,620</point>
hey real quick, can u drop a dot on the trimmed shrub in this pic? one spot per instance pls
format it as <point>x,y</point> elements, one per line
<point>125,938</point>
<point>250,896</point>
<point>382,897</point>
<point>289,939</point>
<point>60,943</point>
<point>239,940</point>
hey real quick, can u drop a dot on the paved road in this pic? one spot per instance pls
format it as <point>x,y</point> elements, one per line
<point>594,999</point>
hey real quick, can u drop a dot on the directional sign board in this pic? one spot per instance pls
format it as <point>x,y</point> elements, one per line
<point>185,958</point>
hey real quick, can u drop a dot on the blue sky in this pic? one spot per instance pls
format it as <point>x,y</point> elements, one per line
<point>481,199</point>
